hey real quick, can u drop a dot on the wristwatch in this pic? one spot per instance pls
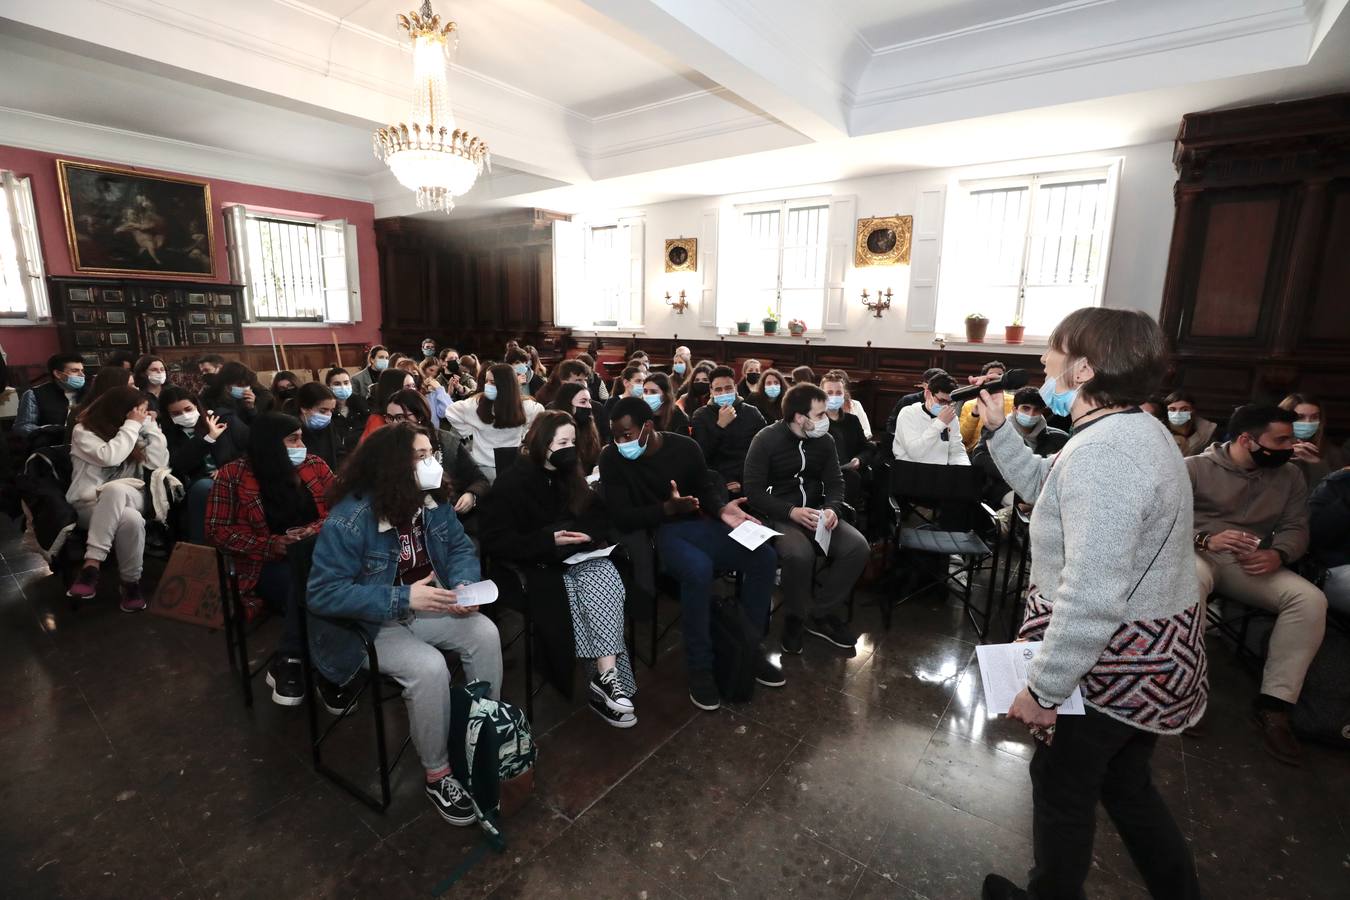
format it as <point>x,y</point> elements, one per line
<point>1202,540</point>
<point>1043,704</point>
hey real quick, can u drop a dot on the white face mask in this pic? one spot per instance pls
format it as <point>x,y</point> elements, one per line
<point>429,473</point>
<point>816,428</point>
<point>187,419</point>
<point>156,377</point>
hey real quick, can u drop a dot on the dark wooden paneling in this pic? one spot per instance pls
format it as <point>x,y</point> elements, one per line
<point>1327,318</point>
<point>1238,247</point>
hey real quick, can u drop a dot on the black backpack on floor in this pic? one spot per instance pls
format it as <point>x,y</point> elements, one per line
<point>733,651</point>
<point>1323,710</point>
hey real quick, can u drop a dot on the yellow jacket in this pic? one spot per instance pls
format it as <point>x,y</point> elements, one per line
<point>970,423</point>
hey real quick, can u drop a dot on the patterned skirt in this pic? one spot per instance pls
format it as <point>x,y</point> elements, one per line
<point>596,597</point>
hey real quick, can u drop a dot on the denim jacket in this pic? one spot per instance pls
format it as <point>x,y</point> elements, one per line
<point>355,565</point>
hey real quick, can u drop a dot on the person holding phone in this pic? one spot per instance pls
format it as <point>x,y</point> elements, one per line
<point>389,557</point>
<point>1114,603</point>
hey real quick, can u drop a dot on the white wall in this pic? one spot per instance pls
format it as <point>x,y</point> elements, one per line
<point>1134,279</point>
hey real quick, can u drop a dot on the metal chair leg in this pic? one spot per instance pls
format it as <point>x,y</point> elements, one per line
<point>528,637</point>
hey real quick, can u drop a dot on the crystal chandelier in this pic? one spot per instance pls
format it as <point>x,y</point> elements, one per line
<point>431,156</point>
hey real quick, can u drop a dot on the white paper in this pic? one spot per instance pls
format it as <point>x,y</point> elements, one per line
<point>750,534</point>
<point>1003,670</point>
<point>823,533</point>
<point>594,554</point>
<point>476,594</point>
<point>594,477</point>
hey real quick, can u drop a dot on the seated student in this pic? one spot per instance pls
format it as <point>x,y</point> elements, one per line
<point>659,481</point>
<point>495,419</point>
<point>150,375</point>
<point>569,371</point>
<point>1028,420</point>
<point>926,432</point>
<point>390,382</point>
<point>389,557</point>
<point>575,400</point>
<point>767,397</point>
<point>850,443</point>
<point>428,348</point>
<point>910,399</point>
<point>803,375</point>
<point>260,504</point>
<point>1329,525</point>
<point>114,448</point>
<point>210,365</point>
<point>680,364</point>
<point>1156,406</point>
<point>792,480</point>
<point>1192,432</point>
<point>45,409</point>
<point>530,381</point>
<point>429,385</point>
<point>351,409</point>
<point>851,405</point>
<point>599,390</point>
<point>541,511</point>
<point>659,395</point>
<point>470,374</point>
<point>377,361</point>
<point>323,434</point>
<point>970,410</point>
<point>695,389</point>
<point>1251,520</point>
<point>725,428</point>
<point>628,384</point>
<point>283,387</point>
<point>467,483</point>
<point>1314,455</point>
<point>199,444</point>
<point>107,378</point>
<point>236,396</point>
<point>750,372</point>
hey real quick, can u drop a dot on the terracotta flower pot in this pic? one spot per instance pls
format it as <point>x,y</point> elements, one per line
<point>1012,334</point>
<point>975,330</point>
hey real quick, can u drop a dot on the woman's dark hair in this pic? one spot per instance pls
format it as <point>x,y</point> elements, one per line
<point>139,370</point>
<point>1179,397</point>
<point>411,402</point>
<point>333,373</point>
<point>390,383</point>
<point>628,374</point>
<point>381,469</point>
<point>370,356</point>
<point>172,394</point>
<point>107,379</point>
<point>235,373</point>
<point>800,375</point>
<point>468,365</point>
<point>577,496</point>
<point>516,355</point>
<point>506,411</point>
<point>662,381</point>
<point>278,482</point>
<point>586,359</point>
<point>312,394</point>
<point>763,379</point>
<point>696,394</point>
<point>283,376</point>
<point>1125,348</point>
<point>588,436</point>
<point>772,408</point>
<point>536,361</point>
<point>104,417</point>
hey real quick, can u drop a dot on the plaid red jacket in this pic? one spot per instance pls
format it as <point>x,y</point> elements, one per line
<point>235,521</point>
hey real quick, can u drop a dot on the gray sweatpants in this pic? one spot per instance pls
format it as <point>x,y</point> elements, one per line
<point>114,520</point>
<point>410,653</point>
<point>797,556</point>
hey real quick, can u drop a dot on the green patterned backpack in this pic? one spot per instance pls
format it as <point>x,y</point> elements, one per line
<point>490,743</point>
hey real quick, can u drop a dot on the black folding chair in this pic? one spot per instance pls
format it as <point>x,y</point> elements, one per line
<point>514,595</point>
<point>236,628</point>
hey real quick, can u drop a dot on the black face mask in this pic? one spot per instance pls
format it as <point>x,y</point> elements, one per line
<point>286,393</point>
<point>564,459</point>
<point>581,415</point>
<point>1266,458</point>
<point>452,367</point>
<point>752,378</point>
<point>698,392</point>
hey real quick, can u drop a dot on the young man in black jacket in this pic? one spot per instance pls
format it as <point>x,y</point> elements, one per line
<point>658,481</point>
<point>43,410</point>
<point>792,479</point>
<point>725,428</point>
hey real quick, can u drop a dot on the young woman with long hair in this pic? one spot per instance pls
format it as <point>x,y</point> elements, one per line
<point>467,482</point>
<point>495,419</point>
<point>767,395</point>
<point>576,401</point>
<point>283,387</point>
<point>659,395</point>
<point>262,503</point>
<point>569,371</point>
<point>540,512</point>
<point>389,558</point>
<point>107,379</point>
<point>390,383</point>
<point>324,435</point>
<point>1314,455</point>
<point>114,447</point>
<point>151,375</point>
<point>522,363</point>
<point>199,442</point>
<point>429,384</point>
<point>235,394</point>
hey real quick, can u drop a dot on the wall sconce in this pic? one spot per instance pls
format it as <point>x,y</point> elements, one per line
<point>679,305</point>
<point>883,301</point>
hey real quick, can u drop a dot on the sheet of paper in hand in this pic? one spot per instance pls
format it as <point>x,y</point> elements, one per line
<point>1003,670</point>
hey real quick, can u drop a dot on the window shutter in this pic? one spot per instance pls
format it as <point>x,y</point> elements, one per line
<point>842,212</point>
<point>353,273</point>
<point>20,191</point>
<point>925,255</point>
<point>707,267</point>
<point>333,270</point>
<point>637,288</point>
<point>569,271</point>
<point>236,247</point>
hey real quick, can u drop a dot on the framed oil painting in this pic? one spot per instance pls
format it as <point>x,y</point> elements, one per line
<point>125,222</point>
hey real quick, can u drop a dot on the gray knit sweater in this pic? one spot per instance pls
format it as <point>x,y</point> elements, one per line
<point>1103,507</point>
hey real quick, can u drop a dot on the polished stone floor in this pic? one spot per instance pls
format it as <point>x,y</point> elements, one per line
<point>130,769</point>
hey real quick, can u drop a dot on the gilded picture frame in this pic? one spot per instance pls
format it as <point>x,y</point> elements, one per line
<point>681,254</point>
<point>883,241</point>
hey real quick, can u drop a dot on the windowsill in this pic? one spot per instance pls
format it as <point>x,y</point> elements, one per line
<point>608,330</point>
<point>1033,345</point>
<point>297,324</point>
<point>814,337</point>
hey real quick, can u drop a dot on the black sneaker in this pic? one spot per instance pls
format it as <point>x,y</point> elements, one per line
<point>996,887</point>
<point>338,700</point>
<point>618,720</point>
<point>793,629</point>
<point>606,688</point>
<point>451,801</point>
<point>833,629</point>
<point>768,672</point>
<point>287,681</point>
<point>703,690</point>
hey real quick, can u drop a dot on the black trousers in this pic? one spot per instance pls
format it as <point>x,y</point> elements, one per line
<point>1095,757</point>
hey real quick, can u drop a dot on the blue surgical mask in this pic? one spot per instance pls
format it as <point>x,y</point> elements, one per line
<point>630,449</point>
<point>725,399</point>
<point>521,369</point>
<point>237,392</point>
<point>653,400</point>
<point>297,455</point>
<point>1060,402</point>
<point>772,391</point>
<point>317,421</point>
<point>834,403</point>
<point>1026,420</point>
<point>381,365</point>
<point>1179,417</point>
<point>342,391</point>
<point>678,368</point>
<point>1305,430</point>
<point>74,382</point>
<point>937,408</point>
<point>426,352</point>
<point>635,389</point>
<point>490,391</point>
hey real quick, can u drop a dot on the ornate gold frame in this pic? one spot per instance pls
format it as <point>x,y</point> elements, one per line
<point>690,246</point>
<point>63,164</point>
<point>903,226</point>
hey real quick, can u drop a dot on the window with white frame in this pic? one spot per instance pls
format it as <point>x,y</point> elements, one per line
<point>297,270</point>
<point>23,290</point>
<point>1029,249</point>
<point>598,274</point>
<point>781,265</point>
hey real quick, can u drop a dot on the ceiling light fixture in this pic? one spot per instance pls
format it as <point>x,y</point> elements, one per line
<point>431,156</point>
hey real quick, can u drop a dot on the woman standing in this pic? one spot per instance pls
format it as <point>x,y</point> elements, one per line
<point>1314,455</point>
<point>496,419</point>
<point>113,448</point>
<point>1114,602</point>
<point>540,512</point>
<point>151,376</point>
<point>575,400</point>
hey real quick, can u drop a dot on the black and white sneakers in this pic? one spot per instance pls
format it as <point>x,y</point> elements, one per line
<point>793,629</point>
<point>768,672</point>
<point>451,801</point>
<point>337,700</point>
<point>703,691</point>
<point>286,679</point>
<point>610,700</point>
<point>834,630</point>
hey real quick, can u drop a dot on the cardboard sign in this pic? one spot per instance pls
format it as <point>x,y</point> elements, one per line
<point>190,587</point>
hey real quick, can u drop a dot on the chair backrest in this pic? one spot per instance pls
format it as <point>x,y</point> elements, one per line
<point>504,458</point>
<point>953,491</point>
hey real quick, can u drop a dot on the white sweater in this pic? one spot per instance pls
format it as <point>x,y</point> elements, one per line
<point>918,438</point>
<point>94,462</point>
<point>484,438</point>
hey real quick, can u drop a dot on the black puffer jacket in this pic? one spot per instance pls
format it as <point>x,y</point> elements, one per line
<point>1329,520</point>
<point>783,471</point>
<point>725,448</point>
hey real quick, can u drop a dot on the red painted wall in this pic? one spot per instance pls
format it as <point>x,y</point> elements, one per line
<point>32,345</point>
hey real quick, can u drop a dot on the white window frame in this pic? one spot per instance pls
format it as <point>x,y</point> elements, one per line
<point>576,275</point>
<point>826,317</point>
<point>18,197</point>
<point>337,267</point>
<point>959,196</point>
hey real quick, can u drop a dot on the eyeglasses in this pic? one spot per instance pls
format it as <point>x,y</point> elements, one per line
<point>400,417</point>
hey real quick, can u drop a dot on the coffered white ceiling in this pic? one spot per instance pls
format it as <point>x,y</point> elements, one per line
<point>622,94</point>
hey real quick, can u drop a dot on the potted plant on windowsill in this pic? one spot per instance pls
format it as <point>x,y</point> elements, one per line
<point>1013,333</point>
<point>796,327</point>
<point>742,327</point>
<point>770,321</point>
<point>976,325</point>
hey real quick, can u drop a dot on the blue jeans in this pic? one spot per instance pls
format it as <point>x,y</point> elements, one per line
<point>690,552</point>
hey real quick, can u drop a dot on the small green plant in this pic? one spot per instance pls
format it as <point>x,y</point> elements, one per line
<point>977,317</point>
<point>1017,320</point>
<point>770,315</point>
